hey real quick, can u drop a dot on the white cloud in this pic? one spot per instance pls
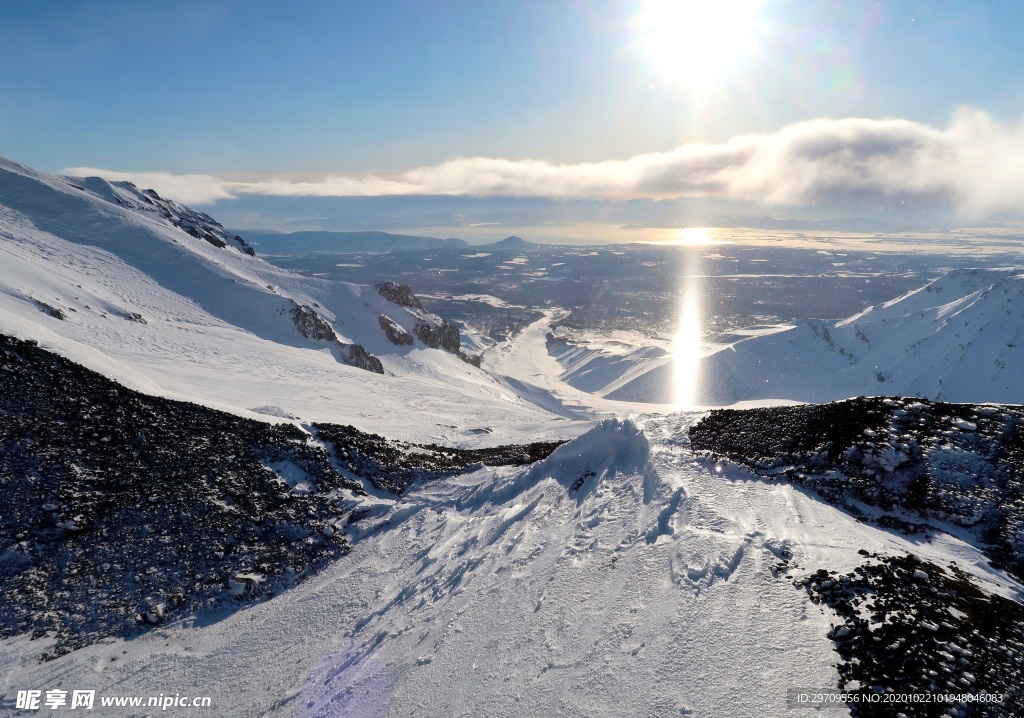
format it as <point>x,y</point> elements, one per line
<point>190,189</point>
<point>973,166</point>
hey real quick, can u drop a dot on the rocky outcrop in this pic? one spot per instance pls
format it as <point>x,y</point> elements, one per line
<point>960,464</point>
<point>122,510</point>
<point>394,333</point>
<point>198,224</point>
<point>311,325</point>
<point>393,465</point>
<point>430,329</point>
<point>357,356</point>
<point>50,310</point>
<point>443,335</point>
<point>400,294</point>
<point>193,222</point>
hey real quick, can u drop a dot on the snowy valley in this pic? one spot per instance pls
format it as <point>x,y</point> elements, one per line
<point>303,496</point>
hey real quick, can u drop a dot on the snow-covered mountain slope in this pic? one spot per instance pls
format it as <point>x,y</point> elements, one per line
<point>620,576</point>
<point>161,297</point>
<point>959,338</point>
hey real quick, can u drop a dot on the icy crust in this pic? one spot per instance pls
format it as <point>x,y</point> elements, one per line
<point>122,511</point>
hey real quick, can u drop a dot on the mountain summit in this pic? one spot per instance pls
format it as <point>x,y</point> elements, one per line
<point>512,242</point>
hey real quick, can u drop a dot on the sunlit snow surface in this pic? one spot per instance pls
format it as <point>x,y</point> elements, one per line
<point>618,577</point>
<point>216,326</point>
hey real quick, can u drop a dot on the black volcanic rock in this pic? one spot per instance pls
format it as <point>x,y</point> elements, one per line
<point>959,463</point>
<point>395,334</point>
<point>311,325</point>
<point>400,294</point>
<point>357,356</point>
<point>393,465</point>
<point>120,511</point>
<point>444,335</point>
<point>906,626</point>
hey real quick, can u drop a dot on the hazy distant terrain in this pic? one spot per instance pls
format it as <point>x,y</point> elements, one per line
<point>638,286</point>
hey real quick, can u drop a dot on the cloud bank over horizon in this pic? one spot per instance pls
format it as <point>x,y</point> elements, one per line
<point>972,167</point>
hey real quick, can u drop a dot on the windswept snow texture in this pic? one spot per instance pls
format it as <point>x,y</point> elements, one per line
<point>958,464</point>
<point>619,576</point>
<point>469,563</point>
<point>123,511</point>
<point>921,468</point>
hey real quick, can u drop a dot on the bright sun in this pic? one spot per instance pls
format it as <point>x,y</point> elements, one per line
<point>694,42</point>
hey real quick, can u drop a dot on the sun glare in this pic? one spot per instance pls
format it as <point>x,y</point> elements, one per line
<point>694,42</point>
<point>687,347</point>
<point>688,237</point>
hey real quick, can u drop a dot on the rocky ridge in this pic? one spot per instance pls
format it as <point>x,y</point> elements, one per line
<point>198,224</point>
<point>904,626</point>
<point>120,511</point>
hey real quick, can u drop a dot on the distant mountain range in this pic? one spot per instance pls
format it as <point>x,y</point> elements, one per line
<point>314,241</point>
<point>269,242</point>
<point>835,224</point>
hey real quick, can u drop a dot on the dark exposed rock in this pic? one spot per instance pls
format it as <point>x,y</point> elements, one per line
<point>197,224</point>
<point>393,465</point>
<point>311,325</point>
<point>444,335</point>
<point>394,333</point>
<point>50,310</point>
<point>473,359</point>
<point>959,463</point>
<point>909,627</point>
<point>357,356</point>
<point>121,510</point>
<point>906,626</point>
<point>243,245</point>
<point>400,294</point>
<point>433,331</point>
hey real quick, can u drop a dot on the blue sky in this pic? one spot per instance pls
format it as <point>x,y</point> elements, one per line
<point>246,92</point>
